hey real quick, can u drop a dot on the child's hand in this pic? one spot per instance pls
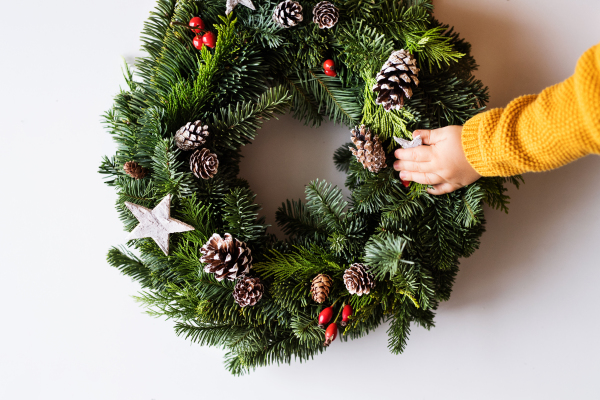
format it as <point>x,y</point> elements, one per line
<point>442,164</point>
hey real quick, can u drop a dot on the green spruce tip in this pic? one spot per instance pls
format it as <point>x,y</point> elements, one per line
<point>412,241</point>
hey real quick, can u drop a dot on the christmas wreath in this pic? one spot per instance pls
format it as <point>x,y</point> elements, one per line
<point>214,71</point>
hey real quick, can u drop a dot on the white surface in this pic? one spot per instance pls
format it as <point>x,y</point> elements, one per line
<point>522,322</point>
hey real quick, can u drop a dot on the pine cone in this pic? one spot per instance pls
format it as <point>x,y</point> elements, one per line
<point>325,15</point>
<point>321,285</point>
<point>369,150</point>
<point>358,280</point>
<point>191,135</point>
<point>204,164</point>
<point>287,14</point>
<point>135,170</point>
<point>248,291</point>
<point>396,80</point>
<point>227,258</point>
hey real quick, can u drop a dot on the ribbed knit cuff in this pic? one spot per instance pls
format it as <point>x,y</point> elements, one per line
<point>473,150</point>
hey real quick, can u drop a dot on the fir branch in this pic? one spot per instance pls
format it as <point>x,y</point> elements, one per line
<point>240,217</point>
<point>236,126</point>
<point>326,202</point>
<point>383,253</point>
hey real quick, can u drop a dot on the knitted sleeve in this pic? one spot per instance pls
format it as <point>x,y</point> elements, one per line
<point>539,132</point>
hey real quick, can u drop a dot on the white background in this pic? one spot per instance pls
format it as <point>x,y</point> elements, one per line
<point>523,320</point>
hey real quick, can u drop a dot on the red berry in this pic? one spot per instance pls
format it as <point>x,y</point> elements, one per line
<point>325,316</point>
<point>198,42</point>
<point>209,39</point>
<point>405,183</point>
<point>330,73</point>
<point>329,65</point>
<point>330,334</point>
<point>346,312</point>
<point>196,22</point>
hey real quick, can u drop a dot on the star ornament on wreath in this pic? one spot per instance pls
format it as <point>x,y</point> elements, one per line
<point>231,4</point>
<point>156,224</point>
<point>388,253</point>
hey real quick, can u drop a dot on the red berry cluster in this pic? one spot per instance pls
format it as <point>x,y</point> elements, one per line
<point>207,39</point>
<point>329,68</point>
<point>332,330</point>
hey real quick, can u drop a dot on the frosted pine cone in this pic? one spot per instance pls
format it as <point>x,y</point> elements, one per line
<point>135,170</point>
<point>325,15</point>
<point>287,14</point>
<point>191,135</point>
<point>248,291</point>
<point>369,151</point>
<point>320,287</point>
<point>227,258</point>
<point>396,80</point>
<point>358,280</point>
<point>204,164</point>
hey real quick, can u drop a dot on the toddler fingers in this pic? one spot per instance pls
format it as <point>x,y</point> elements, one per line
<point>429,136</point>
<point>424,133</point>
<point>425,178</point>
<point>418,154</point>
<point>412,166</point>
<point>442,188</point>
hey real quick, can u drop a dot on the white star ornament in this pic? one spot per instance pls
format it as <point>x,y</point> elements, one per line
<point>230,5</point>
<point>156,223</point>
<point>407,144</point>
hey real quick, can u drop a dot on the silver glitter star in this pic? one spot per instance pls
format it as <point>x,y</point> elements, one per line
<point>407,144</point>
<point>232,3</point>
<point>156,223</point>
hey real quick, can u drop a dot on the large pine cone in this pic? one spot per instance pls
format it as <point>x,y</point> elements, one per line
<point>358,280</point>
<point>396,80</point>
<point>320,287</point>
<point>325,15</point>
<point>191,135</point>
<point>227,258</point>
<point>248,291</point>
<point>204,164</point>
<point>287,14</point>
<point>135,170</point>
<point>369,150</point>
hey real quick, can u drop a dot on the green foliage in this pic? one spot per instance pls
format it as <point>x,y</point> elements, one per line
<point>383,253</point>
<point>411,241</point>
<point>240,217</point>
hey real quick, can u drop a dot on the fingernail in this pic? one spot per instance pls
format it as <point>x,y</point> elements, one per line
<point>396,165</point>
<point>403,175</point>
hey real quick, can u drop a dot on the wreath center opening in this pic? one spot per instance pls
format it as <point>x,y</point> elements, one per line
<point>285,156</point>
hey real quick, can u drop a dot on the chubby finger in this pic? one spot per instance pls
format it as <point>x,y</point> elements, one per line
<point>417,154</point>
<point>412,166</point>
<point>426,178</point>
<point>424,133</point>
<point>442,188</point>
<point>428,136</point>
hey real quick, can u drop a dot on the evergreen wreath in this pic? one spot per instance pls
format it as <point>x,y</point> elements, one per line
<point>389,254</point>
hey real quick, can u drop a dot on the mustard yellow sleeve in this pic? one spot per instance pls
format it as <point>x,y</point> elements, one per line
<point>539,132</point>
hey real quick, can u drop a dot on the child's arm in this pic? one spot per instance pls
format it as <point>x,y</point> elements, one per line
<point>533,133</point>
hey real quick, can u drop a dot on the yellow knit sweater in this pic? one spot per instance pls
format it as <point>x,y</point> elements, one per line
<point>539,132</point>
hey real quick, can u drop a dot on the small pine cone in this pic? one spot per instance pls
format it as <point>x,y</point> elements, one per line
<point>369,150</point>
<point>287,14</point>
<point>191,135</point>
<point>358,280</point>
<point>204,164</point>
<point>248,291</point>
<point>320,287</point>
<point>227,258</point>
<point>135,170</point>
<point>325,15</point>
<point>396,80</point>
